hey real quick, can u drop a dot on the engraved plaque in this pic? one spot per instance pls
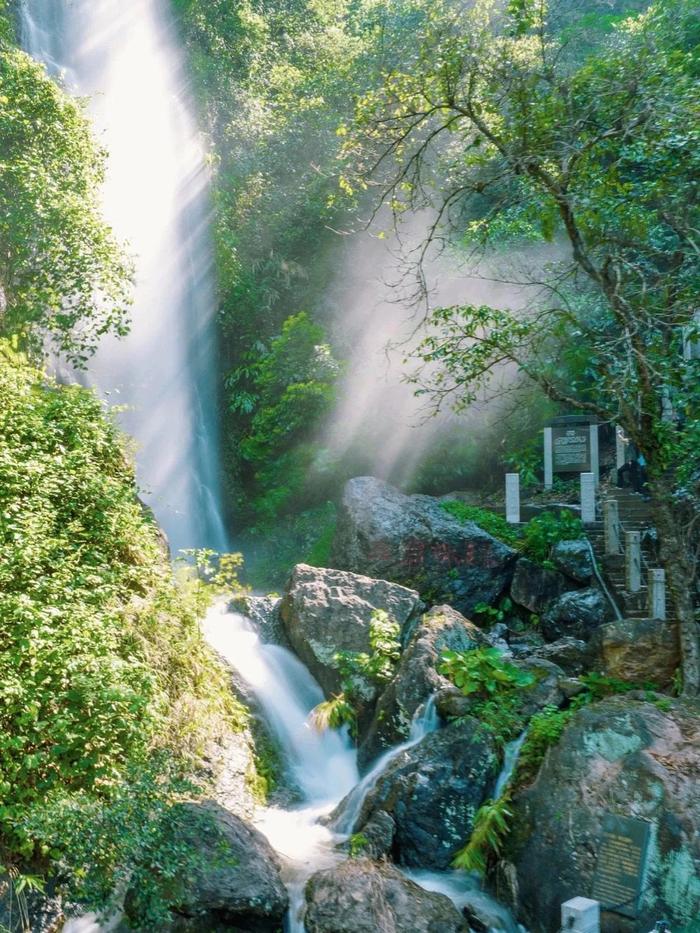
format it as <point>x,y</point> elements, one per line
<point>571,445</point>
<point>620,869</point>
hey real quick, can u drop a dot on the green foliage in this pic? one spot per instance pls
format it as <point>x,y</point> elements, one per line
<point>356,667</point>
<point>491,826</point>
<point>279,397</point>
<point>492,614</point>
<point>334,714</point>
<point>544,531</point>
<point>61,270</point>
<point>103,668</point>
<point>494,524</point>
<point>482,672</point>
<point>385,649</point>
<point>358,845</point>
<point>545,729</point>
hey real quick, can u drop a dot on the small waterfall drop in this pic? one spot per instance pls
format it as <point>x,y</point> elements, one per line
<point>425,721</point>
<point>124,56</point>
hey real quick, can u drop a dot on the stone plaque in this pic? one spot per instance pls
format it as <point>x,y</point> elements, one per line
<point>571,448</point>
<point>620,869</point>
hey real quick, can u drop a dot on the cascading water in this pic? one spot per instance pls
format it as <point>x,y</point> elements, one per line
<point>124,56</point>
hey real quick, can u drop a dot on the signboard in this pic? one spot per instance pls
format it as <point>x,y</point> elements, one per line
<point>620,869</point>
<point>571,448</point>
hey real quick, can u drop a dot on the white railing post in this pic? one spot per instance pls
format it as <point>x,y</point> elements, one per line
<point>611,527</point>
<point>548,459</point>
<point>581,915</point>
<point>633,561</point>
<point>657,593</point>
<point>595,457</point>
<point>587,498</point>
<point>513,498</point>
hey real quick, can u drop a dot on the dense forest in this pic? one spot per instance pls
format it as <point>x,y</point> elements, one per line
<point>435,228</point>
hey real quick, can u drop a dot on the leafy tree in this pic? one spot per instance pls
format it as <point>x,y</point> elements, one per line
<point>501,122</point>
<point>61,269</point>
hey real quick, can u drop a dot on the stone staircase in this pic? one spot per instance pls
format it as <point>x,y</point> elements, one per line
<point>635,515</point>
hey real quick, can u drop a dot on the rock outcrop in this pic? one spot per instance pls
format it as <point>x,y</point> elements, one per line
<point>326,611</point>
<point>432,791</point>
<point>622,757</point>
<point>238,885</point>
<point>639,651</point>
<point>534,587</point>
<point>577,614</point>
<point>360,896</point>
<point>414,541</point>
<point>573,558</point>
<point>417,677</point>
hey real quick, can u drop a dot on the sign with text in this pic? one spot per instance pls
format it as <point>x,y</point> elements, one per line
<point>571,448</point>
<point>620,869</point>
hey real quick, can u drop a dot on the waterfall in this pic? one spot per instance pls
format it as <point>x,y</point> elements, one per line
<point>124,56</point>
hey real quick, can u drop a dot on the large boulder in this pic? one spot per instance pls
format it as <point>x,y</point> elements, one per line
<point>417,677</point>
<point>264,612</point>
<point>414,541</point>
<point>571,654</point>
<point>433,790</point>
<point>573,558</point>
<point>326,611</point>
<point>639,651</point>
<point>360,896</point>
<point>535,587</point>
<point>577,614</point>
<point>622,757</point>
<point>237,885</point>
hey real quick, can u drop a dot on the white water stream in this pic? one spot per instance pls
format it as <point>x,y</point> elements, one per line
<point>124,55</point>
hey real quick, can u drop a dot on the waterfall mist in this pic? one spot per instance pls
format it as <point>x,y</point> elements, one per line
<point>125,58</point>
<point>376,320</point>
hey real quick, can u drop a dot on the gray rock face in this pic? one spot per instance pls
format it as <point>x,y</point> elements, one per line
<point>535,587</point>
<point>432,791</point>
<point>577,614</point>
<point>627,758</point>
<point>325,611</point>
<point>264,611</point>
<point>44,911</point>
<point>240,887</point>
<point>360,896</point>
<point>573,558</point>
<point>639,651</point>
<point>414,541</point>
<point>417,677</point>
<point>571,654</point>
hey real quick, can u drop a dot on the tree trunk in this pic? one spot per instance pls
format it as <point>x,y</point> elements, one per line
<point>679,565</point>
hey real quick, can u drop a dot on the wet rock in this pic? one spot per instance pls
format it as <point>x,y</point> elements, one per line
<point>432,791</point>
<point>325,611</point>
<point>571,654</point>
<point>573,558</point>
<point>627,758</point>
<point>377,836</point>
<point>639,651</point>
<point>577,614</point>
<point>264,612</point>
<point>544,689</point>
<point>535,587</point>
<point>360,896</point>
<point>239,885</point>
<point>417,678</point>
<point>414,541</point>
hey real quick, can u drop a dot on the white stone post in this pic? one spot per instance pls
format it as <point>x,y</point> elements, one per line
<point>548,459</point>
<point>587,498</point>
<point>581,915</point>
<point>691,340</point>
<point>611,527</point>
<point>633,561</point>
<point>657,593</point>
<point>513,498</point>
<point>595,457</point>
<point>620,448</point>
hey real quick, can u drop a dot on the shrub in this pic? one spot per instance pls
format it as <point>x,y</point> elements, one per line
<point>494,524</point>
<point>543,532</point>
